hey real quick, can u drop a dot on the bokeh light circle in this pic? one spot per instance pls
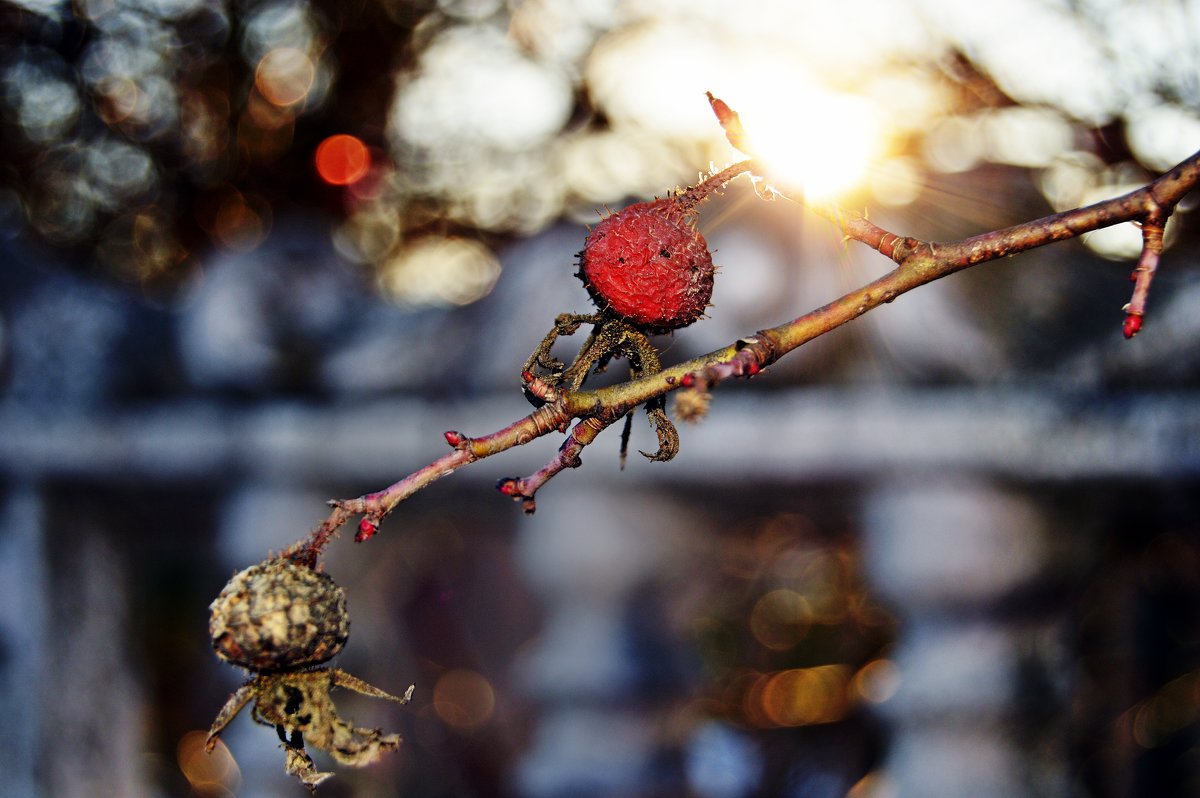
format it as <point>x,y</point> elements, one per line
<point>342,159</point>
<point>439,271</point>
<point>285,75</point>
<point>464,699</point>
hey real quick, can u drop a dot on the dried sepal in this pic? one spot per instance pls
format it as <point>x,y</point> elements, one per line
<point>300,706</point>
<point>668,436</point>
<point>236,703</point>
<point>298,763</point>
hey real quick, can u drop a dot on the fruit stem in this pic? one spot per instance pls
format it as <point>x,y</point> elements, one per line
<point>694,195</point>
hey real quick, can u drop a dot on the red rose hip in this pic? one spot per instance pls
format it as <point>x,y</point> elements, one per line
<point>649,265</point>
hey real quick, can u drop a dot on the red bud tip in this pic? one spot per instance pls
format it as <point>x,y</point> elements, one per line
<point>366,529</point>
<point>526,376</point>
<point>1133,275</point>
<point>454,438</point>
<point>730,122</point>
<point>508,486</point>
<point>723,112</point>
<point>1133,324</point>
<point>753,368</point>
<point>688,380</point>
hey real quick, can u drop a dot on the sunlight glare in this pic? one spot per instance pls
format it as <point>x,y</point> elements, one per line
<point>820,142</point>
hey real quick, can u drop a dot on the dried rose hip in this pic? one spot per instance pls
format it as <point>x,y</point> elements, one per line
<point>278,615</point>
<point>280,618</point>
<point>649,265</point>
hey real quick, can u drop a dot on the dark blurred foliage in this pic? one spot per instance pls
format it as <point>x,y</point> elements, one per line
<point>135,136</point>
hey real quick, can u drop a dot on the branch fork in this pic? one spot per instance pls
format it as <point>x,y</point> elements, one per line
<point>560,398</point>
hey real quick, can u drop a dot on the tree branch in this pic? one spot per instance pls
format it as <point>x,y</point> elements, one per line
<point>918,263</point>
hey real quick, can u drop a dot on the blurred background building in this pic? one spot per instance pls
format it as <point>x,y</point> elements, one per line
<point>260,254</point>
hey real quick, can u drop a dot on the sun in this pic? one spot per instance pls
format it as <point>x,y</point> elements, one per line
<point>819,142</point>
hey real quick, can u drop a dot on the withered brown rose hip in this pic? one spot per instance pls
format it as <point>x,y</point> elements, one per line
<point>279,615</point>
<point>280,619</point>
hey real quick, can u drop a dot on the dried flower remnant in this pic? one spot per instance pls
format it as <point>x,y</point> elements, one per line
<point>300,706</point>
<point>691,404</point>
<point>279,619</point>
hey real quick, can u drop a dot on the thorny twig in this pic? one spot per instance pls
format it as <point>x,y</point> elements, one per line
<point>917,263</point>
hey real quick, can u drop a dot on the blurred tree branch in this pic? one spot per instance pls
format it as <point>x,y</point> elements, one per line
<point>917,263</point>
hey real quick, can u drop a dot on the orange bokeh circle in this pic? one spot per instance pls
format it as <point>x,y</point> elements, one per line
<point>342,160</point>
